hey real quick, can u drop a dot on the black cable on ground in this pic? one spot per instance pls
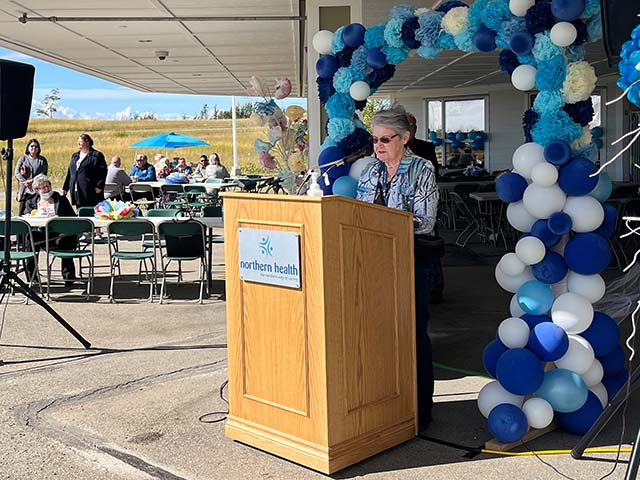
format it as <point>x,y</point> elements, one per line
<point>203,418</point>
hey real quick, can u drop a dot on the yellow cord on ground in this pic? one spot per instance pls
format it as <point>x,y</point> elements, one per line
<point>558,452</point>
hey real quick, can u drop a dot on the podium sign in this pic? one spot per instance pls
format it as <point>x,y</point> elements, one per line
<point>269,256</point>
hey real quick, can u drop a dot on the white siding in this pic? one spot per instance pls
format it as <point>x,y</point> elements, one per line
<point>504,126</point>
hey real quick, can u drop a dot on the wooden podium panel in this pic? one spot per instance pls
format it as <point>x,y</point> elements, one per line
<point>323,375</point>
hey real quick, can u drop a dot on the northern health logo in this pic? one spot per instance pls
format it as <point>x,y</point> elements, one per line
<point>266,248</point>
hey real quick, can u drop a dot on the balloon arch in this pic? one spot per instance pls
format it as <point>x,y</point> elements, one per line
<point>556,196</point>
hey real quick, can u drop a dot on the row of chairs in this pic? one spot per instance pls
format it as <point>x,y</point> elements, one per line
<point>191,197</point>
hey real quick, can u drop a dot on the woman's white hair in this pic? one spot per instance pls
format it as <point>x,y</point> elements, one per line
<point>394,118</point>
<point>39,180</point>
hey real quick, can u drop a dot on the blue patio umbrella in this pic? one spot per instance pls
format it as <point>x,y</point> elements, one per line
<point>169,140</point>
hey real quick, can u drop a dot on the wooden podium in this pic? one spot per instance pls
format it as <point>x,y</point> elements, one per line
<point>323,375</point>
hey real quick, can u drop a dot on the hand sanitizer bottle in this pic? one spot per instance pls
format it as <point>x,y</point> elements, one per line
<point>314,188</point>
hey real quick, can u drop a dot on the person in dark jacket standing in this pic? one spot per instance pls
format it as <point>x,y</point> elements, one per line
<point>29,165</point>
<point>86,175</point>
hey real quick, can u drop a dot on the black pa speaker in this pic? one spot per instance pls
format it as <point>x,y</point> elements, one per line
<point>16,92</point>
<point>619,18</point>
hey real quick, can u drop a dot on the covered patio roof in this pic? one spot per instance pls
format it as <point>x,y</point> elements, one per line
<point>214,46</point>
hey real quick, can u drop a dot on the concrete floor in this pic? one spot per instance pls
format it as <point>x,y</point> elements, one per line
<point>144,401</point>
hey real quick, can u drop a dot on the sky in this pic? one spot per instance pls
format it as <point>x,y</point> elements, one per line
<point>85,97</point>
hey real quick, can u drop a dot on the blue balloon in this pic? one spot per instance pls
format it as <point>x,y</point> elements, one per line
<point>510,187</point>
<point>609,223</point>
<point>559,223</point>
<point>327,66</point>
<point>604,187</point>
<point>548,341</point>
<point>353,35</point>
<point>551,269</point>
<point>603,334</point>
<point>533,320</point>
<point>451,136</point>
<point>485,39</point>
<point>567,10</point>
<point>557,152</point>
<point>521,43</point>
<point>574,177</point>
<point>597,132</point>
<point>535,297</point>
<point>473,135</point>
<point>613,363</point>
<point>345,186</point>
<point>587,253</point>
<point>433,136</point>
<point>332,154</point>
<point>437,142</point>
<point>564,390</point>
<point>519,371</point>
<point>460,136</point>
<point>613,385</point>
<point>540,230</point>
<point>507,423</point>
<point>580,421</point>
<point>491,354</point>
<point>376,59</point>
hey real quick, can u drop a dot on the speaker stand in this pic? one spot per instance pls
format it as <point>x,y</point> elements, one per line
<point>8,278</point>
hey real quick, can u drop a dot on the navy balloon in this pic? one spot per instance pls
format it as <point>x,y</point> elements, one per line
<point>507,423</point>
<point>613,363</point>
<point>533,320</point>
<point>376,59</point>
<point>557,152</point>
<point>609,223</point>
<point>580,421</point>
<point>326,187</point>
<point>491,354</point>
<point>451,136</point>
<point>603,334</point>
<point>331,154</point>
<point>567,10</point>
<point>485,39</point>
<point>460,136</point>
<point>437,142</point>
<point>574,177</point>
<point>548,341</point>
<point>327,66</point>
<point>510,187</point>
<point>587,253</point>
<point>551,269</point>
<point>521,43</point>
<point>353,35</point>
<point>519,371</point>
<point>597,132</point>
<point>559,223</point>
<point>615,383</point>
<point>540,229</point>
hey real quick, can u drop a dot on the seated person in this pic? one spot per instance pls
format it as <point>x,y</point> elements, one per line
<point>143,171</point>
<point>116,175</point>
<point>183,167</point>
<point>466,159</point>
<point>216,169</point>
<point>453,160</point>
<point>164,168</point>
<point>201,169</point>
<point>49,203</point>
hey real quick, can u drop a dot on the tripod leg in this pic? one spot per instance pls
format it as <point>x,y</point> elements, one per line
<point>26,291</point>
<point>632,468</point>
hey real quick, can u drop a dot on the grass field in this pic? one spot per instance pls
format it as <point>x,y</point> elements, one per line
<point>58,139</point>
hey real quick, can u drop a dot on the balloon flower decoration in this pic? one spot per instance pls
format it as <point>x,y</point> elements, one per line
<point>555,197</point>
<point>115,210</point>
<point>288,145</point>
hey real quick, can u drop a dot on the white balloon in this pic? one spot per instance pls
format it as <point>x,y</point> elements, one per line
<point>493,394</point>
<point>523,78</point>
<point>563,34</point>
<point>514,332</point>
<point>513,283</point>
<point>527,156</point>
<point>579,357</point>
<point>530,250</point>
<point>360,90</point>
<point>511,264</point>
<point>514,307</point>
<point>519,7</point>
<point>586,213</point>
<point>539,412</point>
<point>544,174</point>
<point>572,312</point>
<point>542,202</point>
<point>600,391</point>
<point>519,217</point>
<point>594,375</point>
<point>322,42</point>
<point>359,165</point>
<point>591,287</point>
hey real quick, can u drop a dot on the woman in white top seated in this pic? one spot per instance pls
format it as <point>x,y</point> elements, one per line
<point>215,169</point>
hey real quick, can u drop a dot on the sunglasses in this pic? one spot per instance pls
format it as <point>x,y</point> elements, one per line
<point>384,140</point>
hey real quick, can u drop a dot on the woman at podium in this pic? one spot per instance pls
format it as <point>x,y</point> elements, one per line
<point>401,180</point>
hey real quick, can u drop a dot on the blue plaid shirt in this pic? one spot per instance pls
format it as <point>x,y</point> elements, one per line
<point>412,189</point>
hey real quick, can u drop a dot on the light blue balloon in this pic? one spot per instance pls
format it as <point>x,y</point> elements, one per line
<point>602,190</point>
<point>535,297</point>
<point>345,186</point>
<point>564,390</point>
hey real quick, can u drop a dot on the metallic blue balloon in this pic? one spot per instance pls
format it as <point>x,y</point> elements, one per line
<point>564,390</point>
